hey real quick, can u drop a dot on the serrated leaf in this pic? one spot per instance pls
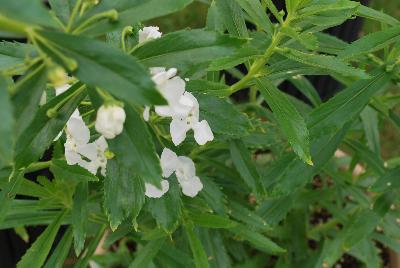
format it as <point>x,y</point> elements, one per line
<point>186,50</point>
<point>208,88</point>
<point>372,14</point>
<point>8,193</point>
<point>242,160</point>
<point>79,215</point>
<point>256,13</point>
<point>7,125</point>
<point>116,68</point>
<point>70,173</point>
<point>324,62</point>
<point>288,118</point>
<point>42,130</point>
<point>371,42</point>
<point>62,9</point>
<point>37,253</point>
<point>12,54</point>
<point>248,217</point>
<point>224,119</point>
<point>232,16</point>
<point>167,210</point>
<point>390,180</point>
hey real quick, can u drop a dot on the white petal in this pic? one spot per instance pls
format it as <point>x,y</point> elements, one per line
<point>62,89</point>
<point>88,150</point>
<point>149,33</point>
<point>178,129</point>
<point>146,113</point>
<point>164,110</point>
<point>110,121</point>
<point>191,187</point>
<point>185,169</point>
<point>202,132</point>
<point>72,157</point>
<point>43,99</point>
<point>154,192</point>
<point>101,143</point>
<point>169,162</point>
<point>78,130</point>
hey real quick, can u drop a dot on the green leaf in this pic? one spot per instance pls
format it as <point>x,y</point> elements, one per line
<point>307,89</point>
<point>28,91</point>
<point>323,62</point>
<point>288,118</point>
<point>233,17</point>
<point>210,221</point>
<point>256,239</point>
<point>187,50</point>
<point>116,68</point>
<point>147,253</point>
<point>8,193</point>
<point>248,217</point>
<point>37,253</point>
<point>123,191</point>
<point>80,215</point>
<point>12,54</point>
<point>213,244</point>
<point>242,160</point>
<point>6,126</point>
<point>208,88</point>
<point>62,9</point>
<point>388,181</point>
<point>224,119</point>
<point>372,14</point>
<point>61,170</point>
<point>167,210</point>
<point>199,254</point>
<point>371,42</point>
<point>17,16</point>
<point>256,13</point>
<point>60,253</point>
<point>370,122</point>
<point>131,12</point>
<point>42,130</point>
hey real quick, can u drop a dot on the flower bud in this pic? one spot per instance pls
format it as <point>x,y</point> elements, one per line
<point>110,121</point>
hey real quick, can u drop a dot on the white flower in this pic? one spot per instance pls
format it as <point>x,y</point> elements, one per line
<point>110,121</point>
<point>154,192</point>
<point>185,172</point>
<point>61,89</point>
<point>180,125</point>
<point>78,150</point>
<point>172,88</point>
<point>149,33</point>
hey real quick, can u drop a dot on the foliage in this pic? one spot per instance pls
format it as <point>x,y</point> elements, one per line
<point>273,181</point>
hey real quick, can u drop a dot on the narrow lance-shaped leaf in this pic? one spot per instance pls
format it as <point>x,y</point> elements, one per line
<point>372,42</point>
<point>233,17</point>
<point>105,67</point>
<point>257,13</point>
<point>28,91</point>
<point>289,119</point>
<point>242,160</point>
<point>187,49</point>
<point>60,253</point>
<point>6,126</point>
<point>323,62</point>
<point>80,215</point>
<point>37,253</point>
<point>199,254</point>
<point>131,12</point>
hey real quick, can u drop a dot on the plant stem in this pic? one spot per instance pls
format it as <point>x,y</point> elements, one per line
<point>73,15</point>
<point>37,166</point>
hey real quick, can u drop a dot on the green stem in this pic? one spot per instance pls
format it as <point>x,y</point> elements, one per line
<point>37,166</point>
<point>125,32</point>
<point>73,15</point>
<point>110,14</point>
<point>84,260</point>
<point>53,110</point>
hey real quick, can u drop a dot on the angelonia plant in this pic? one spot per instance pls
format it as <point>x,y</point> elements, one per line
<point>139,147</point>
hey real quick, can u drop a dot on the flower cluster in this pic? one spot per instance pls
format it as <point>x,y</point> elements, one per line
<point>184,110</point>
